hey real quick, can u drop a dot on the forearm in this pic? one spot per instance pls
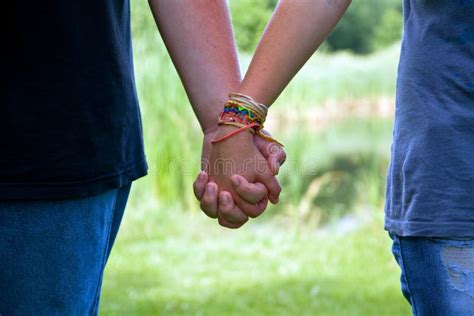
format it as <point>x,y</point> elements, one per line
<point>199,38</point>
<point>295,31</point>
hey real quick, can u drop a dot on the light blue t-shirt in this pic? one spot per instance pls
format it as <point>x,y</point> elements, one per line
<point>430,182</point>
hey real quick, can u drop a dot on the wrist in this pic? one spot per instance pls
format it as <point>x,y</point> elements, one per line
<point>225,129</point>
<point>218,129</point>
<point>225,132</point>
<point>211,130</point>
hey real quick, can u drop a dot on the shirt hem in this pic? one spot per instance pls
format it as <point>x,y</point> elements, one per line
<point>429,229</point>
<point>73,189</point>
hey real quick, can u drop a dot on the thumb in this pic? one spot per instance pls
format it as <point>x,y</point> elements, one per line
<point>199,184</point>
<point>249,192</point>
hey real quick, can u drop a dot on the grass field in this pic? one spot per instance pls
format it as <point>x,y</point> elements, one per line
<point>167,262</point>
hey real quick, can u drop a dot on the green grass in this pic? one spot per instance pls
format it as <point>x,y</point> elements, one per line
<point>167,262</point>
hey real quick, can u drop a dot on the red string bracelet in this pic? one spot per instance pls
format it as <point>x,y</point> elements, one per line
<point>233,133</point>
<point>243,112</point>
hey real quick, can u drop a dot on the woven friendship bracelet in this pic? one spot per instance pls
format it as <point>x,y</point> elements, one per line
<point>247,114</point>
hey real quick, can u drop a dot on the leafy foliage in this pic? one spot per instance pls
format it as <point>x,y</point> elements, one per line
<point>249,18</point>
<point>363,20</point>
<point>390,29</point>
<point>366,26</point>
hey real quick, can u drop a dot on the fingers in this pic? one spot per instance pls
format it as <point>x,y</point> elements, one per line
<point>199,184</point>
<point>262,145</point>
<point>209,200</point>
<point>263,203</point>
<point>206,193</point>
<point>249,192</point>
<point>276,158</point>
<point>251,210</point>
<point>227,224</point>
<point>229,215</point>
<point>273,187</point>
<point>253,196</point>
<point>273,152</point>
<point>253,199</point>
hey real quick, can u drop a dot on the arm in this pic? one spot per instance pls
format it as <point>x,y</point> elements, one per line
<point>294,32</point>
<point>199,38</point>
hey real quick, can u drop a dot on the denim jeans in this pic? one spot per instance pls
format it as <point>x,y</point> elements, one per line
<point>53,253</point>
<point>437,274</point>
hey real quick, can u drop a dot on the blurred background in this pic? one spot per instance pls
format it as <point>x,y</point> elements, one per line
<point>322,250</point>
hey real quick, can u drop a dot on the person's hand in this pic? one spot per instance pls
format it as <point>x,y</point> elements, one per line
<point>208,192</point>
<point>213,203</point>
<point>240,156</point>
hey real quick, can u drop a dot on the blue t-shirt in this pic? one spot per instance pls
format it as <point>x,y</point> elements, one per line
<point>70,125</point>
<point>430,183</point>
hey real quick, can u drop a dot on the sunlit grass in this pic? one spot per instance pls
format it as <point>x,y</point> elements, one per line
<point>167,262</point>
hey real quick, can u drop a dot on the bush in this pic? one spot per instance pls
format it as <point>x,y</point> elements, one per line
<point>367,25</point>
<point>363,22</point>
<point>249,18</point>
<point>390,29</point>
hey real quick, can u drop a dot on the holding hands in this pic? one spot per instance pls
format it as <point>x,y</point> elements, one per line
<point>240,161</point>
<point>241,165</point>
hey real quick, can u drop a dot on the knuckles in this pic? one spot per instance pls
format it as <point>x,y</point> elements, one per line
<point>222,222</point>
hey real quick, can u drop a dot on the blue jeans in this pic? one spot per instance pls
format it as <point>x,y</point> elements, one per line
<point>53,253</point>
<point>437,274</point>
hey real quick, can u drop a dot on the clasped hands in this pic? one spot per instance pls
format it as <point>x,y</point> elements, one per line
<point>238,177</point>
